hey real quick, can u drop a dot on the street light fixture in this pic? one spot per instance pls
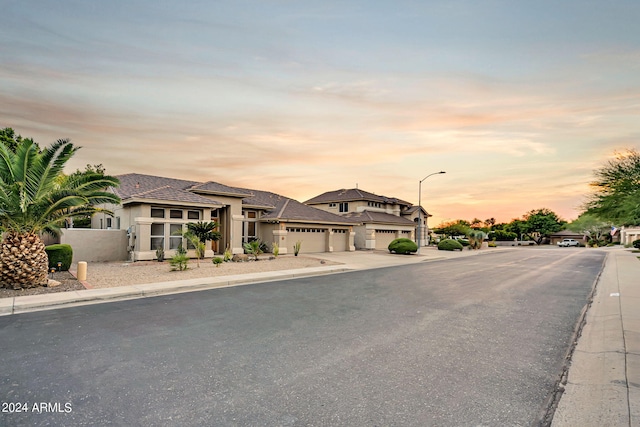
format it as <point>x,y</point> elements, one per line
<point>420,206</point>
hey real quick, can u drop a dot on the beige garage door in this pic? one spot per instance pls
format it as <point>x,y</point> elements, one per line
<point>340,238</point>
<point>384,237</point>
<point>313,239</point>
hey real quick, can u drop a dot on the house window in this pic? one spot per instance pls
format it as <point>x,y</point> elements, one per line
<point>344,207</point>
<point>250,225</point>
<point>175,237</point>
<point>193,214</point>
<point>117,223</point>
<point>332,205</point>
<point>157,213</point>
<point>175,213</point>
<point>108,222</point>
<point>157,236</point>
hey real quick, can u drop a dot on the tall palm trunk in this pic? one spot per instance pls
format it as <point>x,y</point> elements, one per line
<point>23,261</point>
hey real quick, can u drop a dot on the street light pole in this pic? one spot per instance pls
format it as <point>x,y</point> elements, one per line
<point>420,206</point>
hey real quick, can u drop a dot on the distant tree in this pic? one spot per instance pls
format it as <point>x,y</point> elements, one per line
<point>459,227</point>
<point>489,223</point>
<point>516,226</point>
<point>541,223</point>
<point>616,190</point>
<point>476,223</point>
<point>11,140</point>
<point>590,225</point>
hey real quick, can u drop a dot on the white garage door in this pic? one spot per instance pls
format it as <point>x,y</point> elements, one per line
<point>313,239</point>
<point>340,240</point>
<point>384,237</point>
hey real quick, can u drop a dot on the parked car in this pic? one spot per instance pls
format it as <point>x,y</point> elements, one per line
<point>568,242</point>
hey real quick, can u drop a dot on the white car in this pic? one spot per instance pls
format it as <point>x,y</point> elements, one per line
<point>568,242</point>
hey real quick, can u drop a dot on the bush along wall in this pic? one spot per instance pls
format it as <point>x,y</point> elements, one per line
<point>59,253</point>
<point>449,245</point>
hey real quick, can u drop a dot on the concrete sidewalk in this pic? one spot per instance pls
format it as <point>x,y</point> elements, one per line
<point>603,383</point>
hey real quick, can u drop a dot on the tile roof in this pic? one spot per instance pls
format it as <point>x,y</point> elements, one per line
<point>217,188</point>
<point>366,217</point>
<point>285,209</point>
<point>138,186</point>
<point>277,207</point>
<point>346,195</point>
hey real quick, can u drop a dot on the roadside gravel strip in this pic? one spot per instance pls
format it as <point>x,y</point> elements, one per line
<point>113,274</point>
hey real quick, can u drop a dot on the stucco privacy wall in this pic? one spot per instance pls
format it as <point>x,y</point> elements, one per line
<point>96,245</point>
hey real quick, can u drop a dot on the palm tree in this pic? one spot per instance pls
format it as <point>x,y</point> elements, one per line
<point>205,230</point>
<point>33,200</point>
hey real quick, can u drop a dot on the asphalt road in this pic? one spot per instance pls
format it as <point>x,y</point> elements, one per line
<point>475,341</point>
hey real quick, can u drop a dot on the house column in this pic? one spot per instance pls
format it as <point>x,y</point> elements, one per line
<point>329,240</point>
<point>236,234</point>
<point>280,236</point>
<point>351,239</point>
<point>370,238</point>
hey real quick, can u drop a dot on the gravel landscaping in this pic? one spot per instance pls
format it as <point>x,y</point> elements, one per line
<point>112,274</point>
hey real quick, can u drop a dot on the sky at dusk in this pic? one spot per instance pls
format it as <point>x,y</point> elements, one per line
<point>518,101</point>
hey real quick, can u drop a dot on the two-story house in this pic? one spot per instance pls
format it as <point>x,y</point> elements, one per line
<point>382,219</point>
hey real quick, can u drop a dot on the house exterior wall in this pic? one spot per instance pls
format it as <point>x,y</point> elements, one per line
<point>629,234</point>
<point>93,245</point>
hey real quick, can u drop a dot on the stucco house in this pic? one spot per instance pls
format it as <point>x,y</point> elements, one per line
<point>382,219</point>
<point>154,209</point>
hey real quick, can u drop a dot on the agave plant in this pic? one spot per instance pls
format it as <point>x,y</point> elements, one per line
<point>35,198</point>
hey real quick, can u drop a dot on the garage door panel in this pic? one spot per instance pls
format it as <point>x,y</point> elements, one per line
<point>383,239</point>
<point>311,241</point>
<point>340,241</point>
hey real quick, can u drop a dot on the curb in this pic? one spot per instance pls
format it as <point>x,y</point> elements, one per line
<point>25,304</point>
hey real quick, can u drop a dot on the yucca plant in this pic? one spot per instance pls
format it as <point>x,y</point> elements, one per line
<point>36,197</point>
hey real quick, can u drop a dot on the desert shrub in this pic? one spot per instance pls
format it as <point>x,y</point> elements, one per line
<point>160,253</point>
<point>492,244</point>
<point>463,242</point>
<point>402,246</point>
<point>476,237</point>
<point>59,253</point>
<point>179,262</point>
<point>276,249</point>
<point>255,248</point>
<point>449,245</point>
<point>636,244</point>
<point>217,261</point>
<point>227,254</point>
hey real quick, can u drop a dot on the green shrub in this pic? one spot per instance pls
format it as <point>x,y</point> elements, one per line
<point>217,261</point>
<point>179,262</point>
<point>636,244</point>
<point>502,236</point>
<point>59,253</point>
<point>449,245</point>
<point>463,242</point>
<point>402,246</point>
